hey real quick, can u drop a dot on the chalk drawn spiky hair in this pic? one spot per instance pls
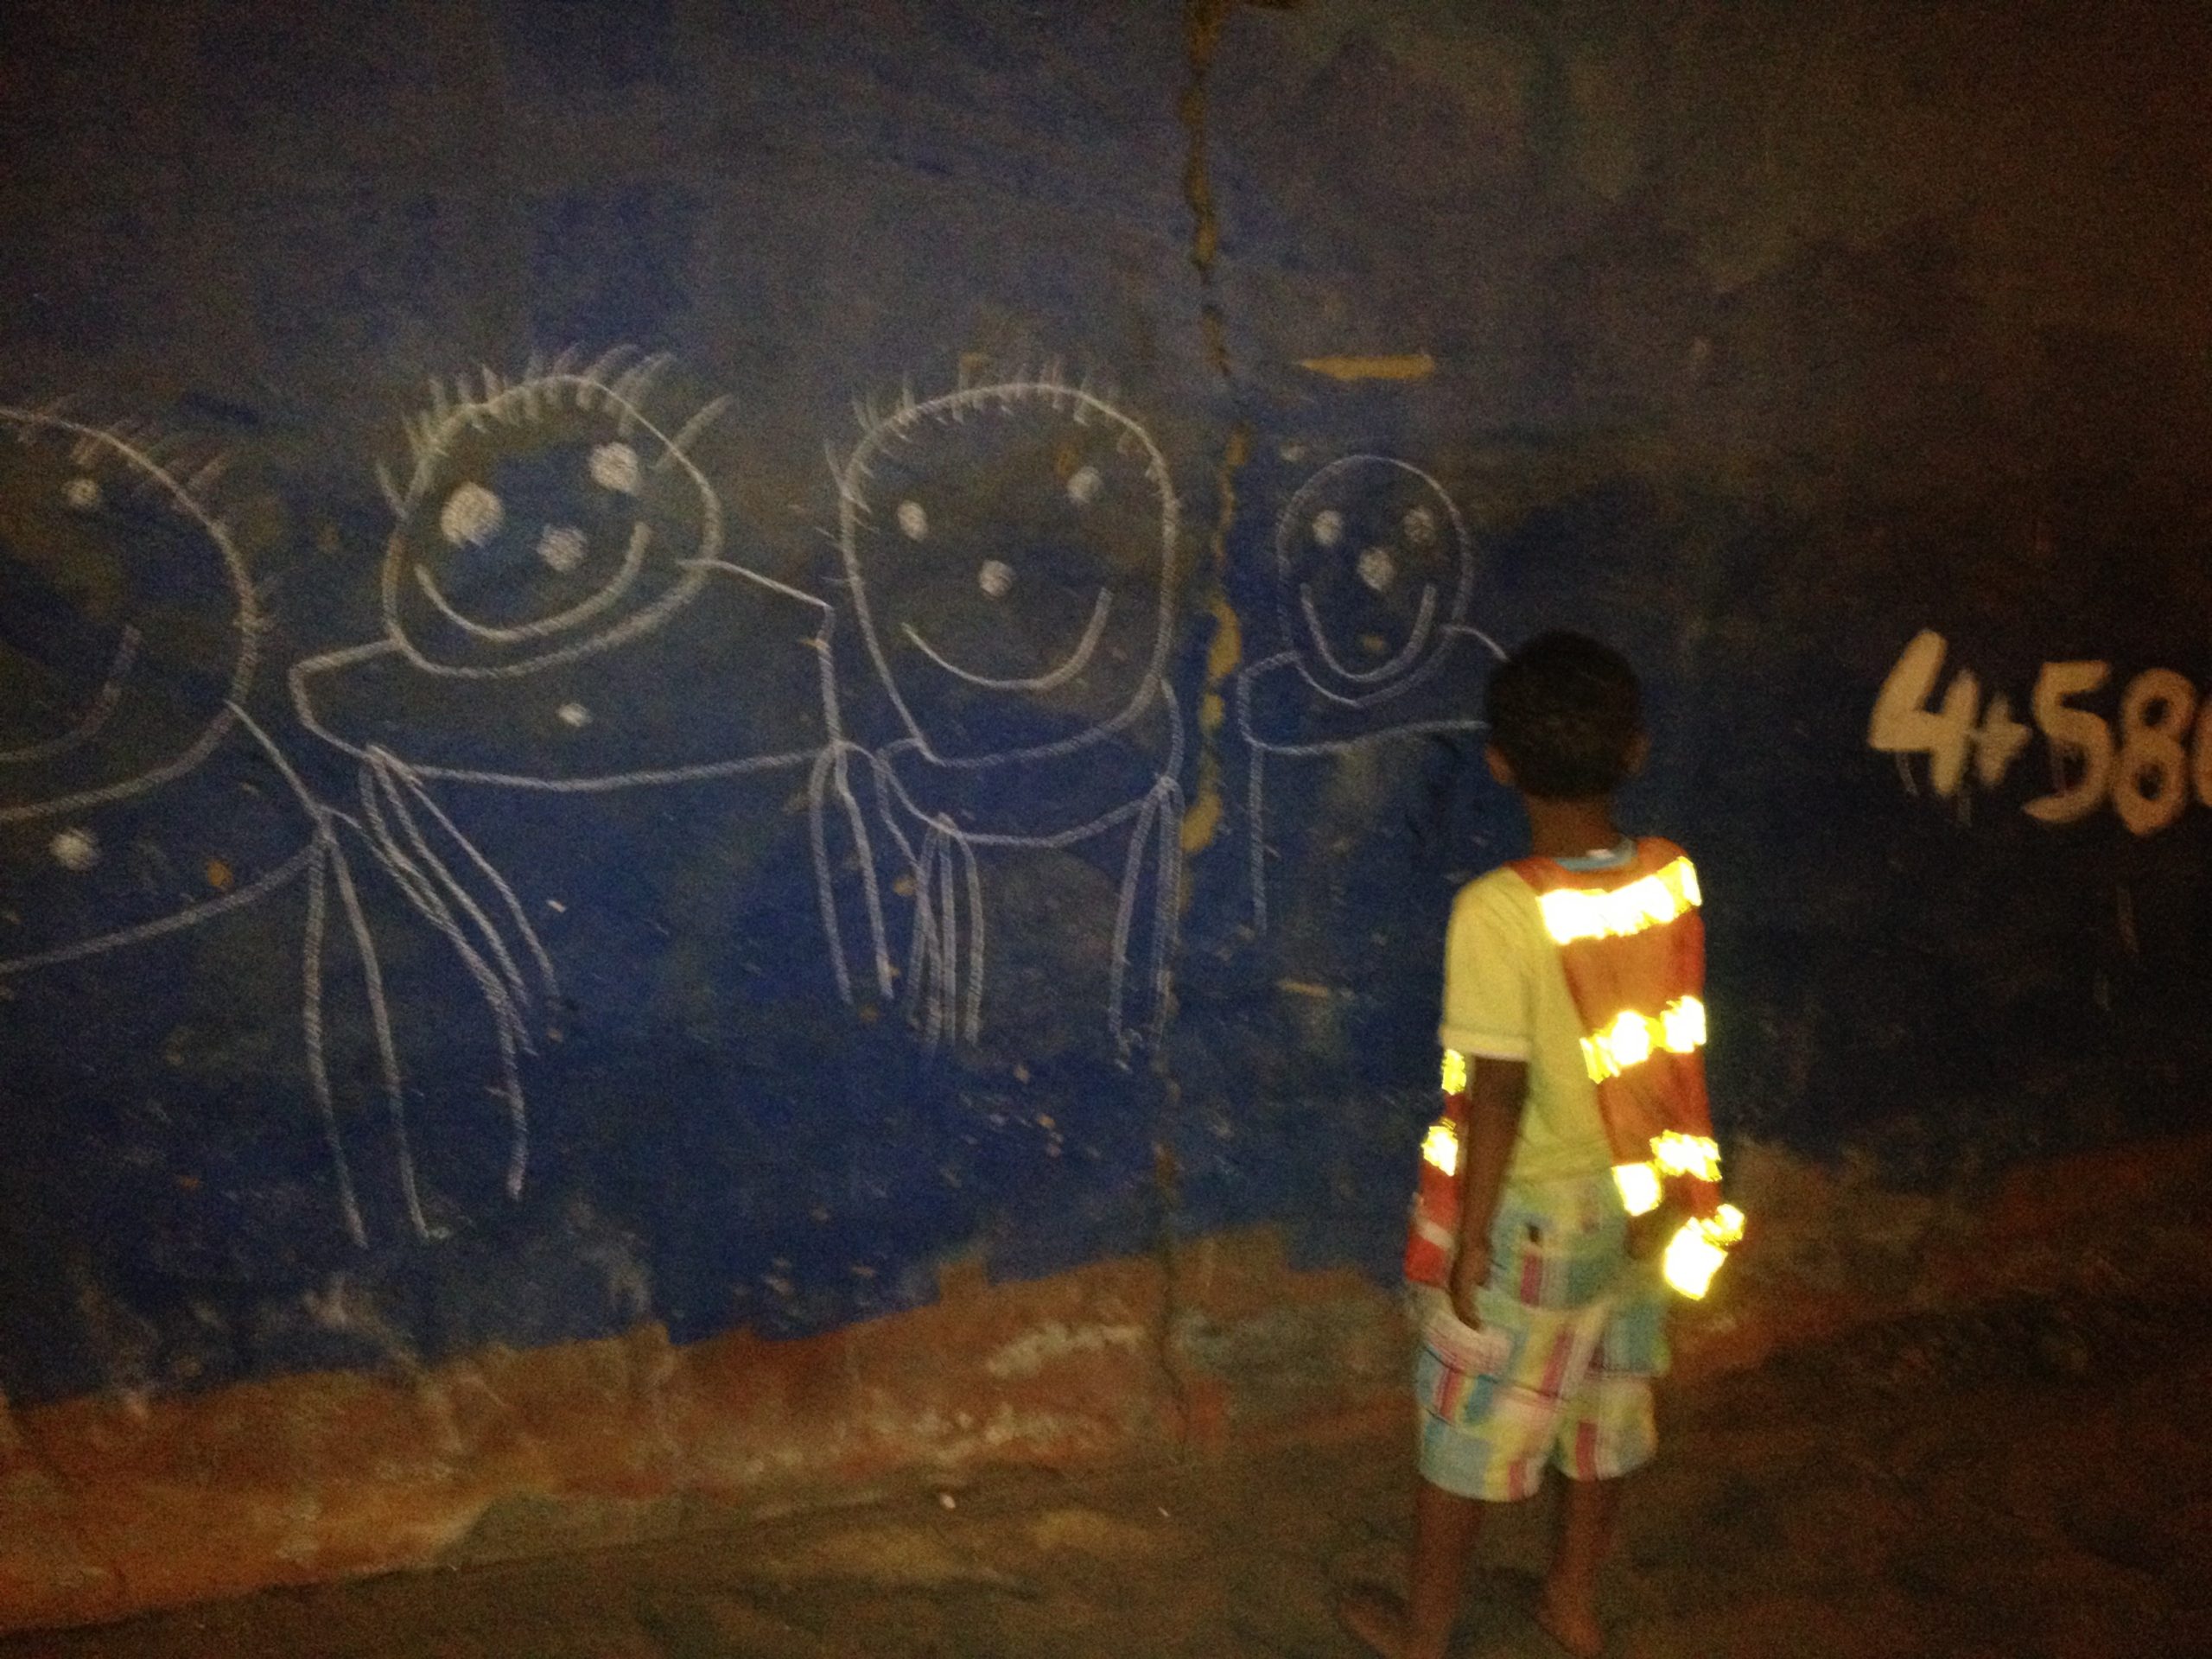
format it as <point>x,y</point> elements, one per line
<point>622,382</point>
<point>885,420</point>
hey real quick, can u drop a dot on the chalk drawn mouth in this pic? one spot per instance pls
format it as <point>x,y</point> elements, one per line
<point>1076,661</point>
<point>89,723</point>
<point>633,561</point>
<point>1424,625</point>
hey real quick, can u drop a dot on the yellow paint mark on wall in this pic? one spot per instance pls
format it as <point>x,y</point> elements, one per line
<point>1413,365</point>
<point>1228,647</point>
<point>1202,820</point>
<point>219,875</point>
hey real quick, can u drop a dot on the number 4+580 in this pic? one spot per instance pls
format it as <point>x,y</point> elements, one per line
<point>2149,772</point>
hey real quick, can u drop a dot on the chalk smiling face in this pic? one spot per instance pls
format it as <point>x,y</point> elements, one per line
<point>123,613</point>
<point>1373,566</point>
<point>546,521</point>
<point>1009,546</point>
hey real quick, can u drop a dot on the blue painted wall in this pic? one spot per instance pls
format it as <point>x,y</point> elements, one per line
<point>520,972</point>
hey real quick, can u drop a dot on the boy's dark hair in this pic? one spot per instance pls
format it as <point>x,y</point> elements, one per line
<point>1565,711</point>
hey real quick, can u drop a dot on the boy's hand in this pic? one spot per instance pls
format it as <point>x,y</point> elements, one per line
<point>1470,1272</point>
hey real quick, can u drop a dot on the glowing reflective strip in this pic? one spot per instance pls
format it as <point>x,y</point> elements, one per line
<point>1455,1072</point>
<point>1633,1037</point>
<point>1687,1154</point>
<point>1681,1025</point>
<point>1639,1186</point>
<point>1440,1146</point>
<point>1443,1237</point>
<point>1572,913</point>
<point>1698,1249</point>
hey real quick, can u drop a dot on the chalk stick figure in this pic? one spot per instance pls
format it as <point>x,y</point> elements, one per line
<point>140,803</point>
<point>1009,549</point>
<point>1373,574</point>
<point>565,626</point>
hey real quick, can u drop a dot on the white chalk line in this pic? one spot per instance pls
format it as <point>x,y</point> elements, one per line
<point>190,916</point>
<point>1415,643</point>
<point>1081,405</point>
<point>508,1023</point>
<point>103,706</point>
<point>1392,680</point>
<point>1074,664</point>
<point>943,983</point>
<point>946,982</point>
<point>249,625</point>
<point>519,403</point>
<point>633,561</point>
<point>311,1028</point>
<point>1288,525</point>
<point>1258,750</point>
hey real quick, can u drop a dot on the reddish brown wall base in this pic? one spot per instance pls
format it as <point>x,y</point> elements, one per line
<point>111,1506</point>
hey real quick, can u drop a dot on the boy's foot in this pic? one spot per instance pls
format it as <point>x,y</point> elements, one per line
<point>1575,1628</point>
<point>1377,1619</point>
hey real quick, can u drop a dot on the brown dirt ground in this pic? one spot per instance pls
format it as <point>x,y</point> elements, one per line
<point>2031,1479</point>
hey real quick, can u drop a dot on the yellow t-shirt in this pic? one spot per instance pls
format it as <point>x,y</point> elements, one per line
<point>1506,996</point>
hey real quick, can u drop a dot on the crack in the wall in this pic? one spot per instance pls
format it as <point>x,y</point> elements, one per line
<point>1202,24</point>
<point>1203,20</point>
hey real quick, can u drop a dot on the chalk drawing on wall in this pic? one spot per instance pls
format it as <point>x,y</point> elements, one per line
<point>130,635</point>
<point>1375,571</point>
<point>562,617</point>
<point>2147,770</point>
<point>1009,550</point>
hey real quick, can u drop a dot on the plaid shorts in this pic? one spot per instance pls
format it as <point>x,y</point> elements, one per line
<point>1560,1369</point>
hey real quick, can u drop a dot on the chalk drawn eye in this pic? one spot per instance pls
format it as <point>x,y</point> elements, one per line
<point>614,467</point>
<point>75,849</point>
<point>1377,568</point>
<point>995,577</point>
<point>83,493</point>
<point>1329,527</point>
<point>913,520</point>
<point>1421,528</point>
<point>1084,487</point>
<point>471,517</point>
<point>562,547</point>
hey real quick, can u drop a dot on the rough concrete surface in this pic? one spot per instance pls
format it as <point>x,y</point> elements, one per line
<point>2032,1478</point>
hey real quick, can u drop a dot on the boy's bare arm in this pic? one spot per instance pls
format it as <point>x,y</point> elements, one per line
<point>1496,1092</point>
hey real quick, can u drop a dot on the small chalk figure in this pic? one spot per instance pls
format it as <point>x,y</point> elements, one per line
<point>564,627</point>
<point>1008,549</point>
<point>1373,574</point>
<point>143,813</point>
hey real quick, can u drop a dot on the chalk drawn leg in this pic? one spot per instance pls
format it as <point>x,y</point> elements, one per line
<point>445,882</point>
<point>320,879</point>
<point>844,860</point>
<point>1147,922</point>
<point>946,962</point>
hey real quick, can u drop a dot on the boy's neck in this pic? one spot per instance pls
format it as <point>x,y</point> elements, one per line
<point>1570,828</point>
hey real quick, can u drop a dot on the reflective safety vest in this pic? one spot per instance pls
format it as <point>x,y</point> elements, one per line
<point>1632,945</point>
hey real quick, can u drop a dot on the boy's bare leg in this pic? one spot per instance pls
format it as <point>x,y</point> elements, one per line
<point>1445,1526</point>
<point>1569,1610</point>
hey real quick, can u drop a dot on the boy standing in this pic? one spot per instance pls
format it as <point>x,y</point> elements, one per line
<point>1574,1136</point>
